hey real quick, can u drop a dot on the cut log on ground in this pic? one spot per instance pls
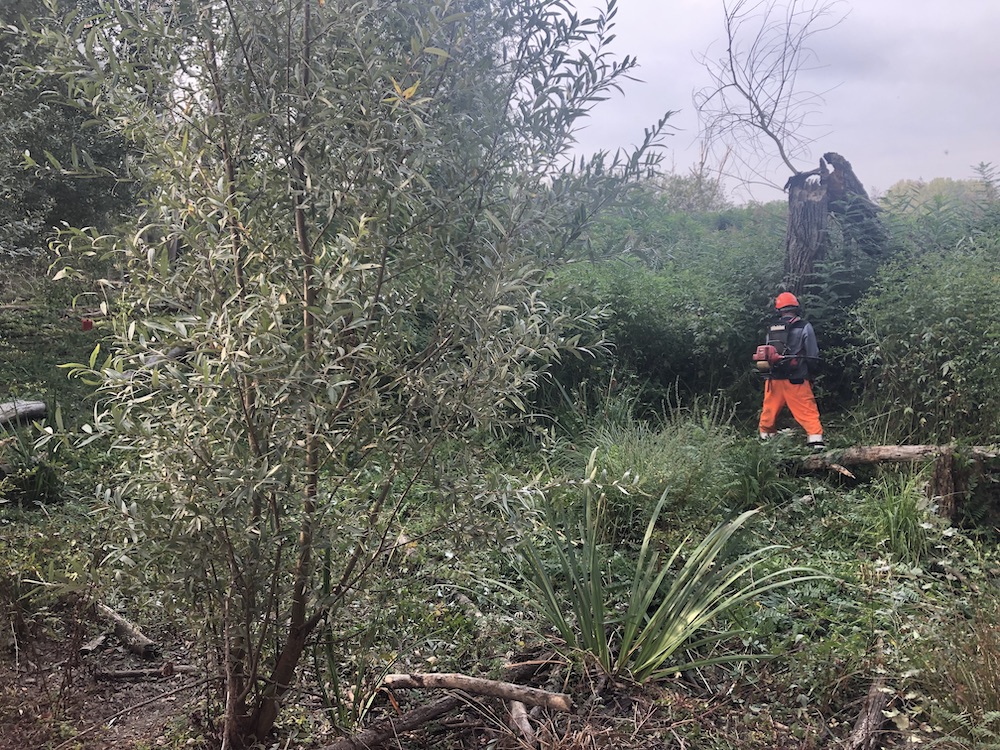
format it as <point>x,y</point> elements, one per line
<point>21,411</point>
<point>129,634</point>
<point>478,686</point>
<point>948,482</point>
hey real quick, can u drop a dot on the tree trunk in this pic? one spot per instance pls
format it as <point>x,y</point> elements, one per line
<point>806,239</point>
<point>831,188</point>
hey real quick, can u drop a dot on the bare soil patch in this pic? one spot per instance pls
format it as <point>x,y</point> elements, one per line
<point>53,696</point>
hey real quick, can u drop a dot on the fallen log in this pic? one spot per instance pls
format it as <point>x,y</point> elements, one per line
<point>21,411</point>
<point>948,482</point>
<point>873,454</point>
<point>129,634</point>
<point>508,691</point>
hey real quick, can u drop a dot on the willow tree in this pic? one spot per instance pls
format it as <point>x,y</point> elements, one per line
<point>51,163</point>
<point>340,264</point>
<point>755,107</point>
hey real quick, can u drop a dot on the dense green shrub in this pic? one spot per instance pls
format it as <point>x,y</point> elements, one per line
<point>931,334</point>
<point>686,303</point>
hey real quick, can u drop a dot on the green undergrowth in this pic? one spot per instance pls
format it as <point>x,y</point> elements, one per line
<point>900,577</point>
<point>905,596</point>
<point>41,329</point>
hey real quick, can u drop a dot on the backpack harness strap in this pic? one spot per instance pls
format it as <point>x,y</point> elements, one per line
<point>773,358</point>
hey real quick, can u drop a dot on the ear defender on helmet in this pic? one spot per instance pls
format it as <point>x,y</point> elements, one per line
<point>786,299</point>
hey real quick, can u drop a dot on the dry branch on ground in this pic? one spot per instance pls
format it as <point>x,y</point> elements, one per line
<point>479,686</point>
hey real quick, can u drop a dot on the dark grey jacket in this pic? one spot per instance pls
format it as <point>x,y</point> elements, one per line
<point>802,343</point>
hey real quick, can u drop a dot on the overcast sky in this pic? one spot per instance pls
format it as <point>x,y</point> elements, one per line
<point>912,87</point>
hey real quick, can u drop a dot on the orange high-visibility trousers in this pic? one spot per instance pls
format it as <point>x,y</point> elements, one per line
<point>799,399</point>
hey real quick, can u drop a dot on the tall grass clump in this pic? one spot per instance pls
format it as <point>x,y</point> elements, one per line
<point>754,475</point>
<point>901,516</point>
<point>677,452</point>
<point>675,455</point>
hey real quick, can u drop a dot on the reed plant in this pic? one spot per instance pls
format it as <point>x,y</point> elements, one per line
<point>637,628</point>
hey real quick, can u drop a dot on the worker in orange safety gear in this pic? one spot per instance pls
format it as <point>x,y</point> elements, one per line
<point>789,381</point>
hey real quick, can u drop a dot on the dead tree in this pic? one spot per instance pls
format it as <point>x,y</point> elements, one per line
<point>753,106</point>
<point>832,189</point>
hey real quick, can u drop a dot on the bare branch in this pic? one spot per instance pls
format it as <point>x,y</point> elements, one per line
<point>753,106</point>
<point>480,686</point>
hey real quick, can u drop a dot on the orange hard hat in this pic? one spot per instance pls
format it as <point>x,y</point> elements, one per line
<point>786,299</point>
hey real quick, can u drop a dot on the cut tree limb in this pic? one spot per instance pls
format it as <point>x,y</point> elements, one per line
<point>521,723</point>
<point>948,482</point>
<point>479,686</point>
<point>129,634</point>
<point>20,411</point>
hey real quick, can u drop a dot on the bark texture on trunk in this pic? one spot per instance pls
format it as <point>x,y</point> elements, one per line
<point>807,236</point>
<point>830,189</point>
<point>849,202</point>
